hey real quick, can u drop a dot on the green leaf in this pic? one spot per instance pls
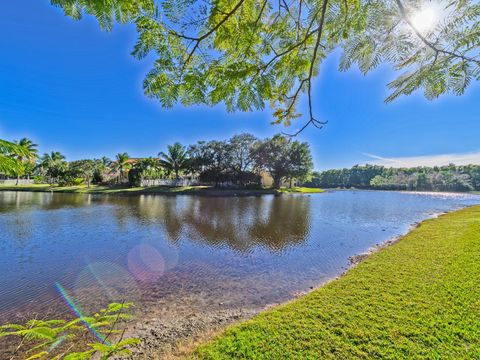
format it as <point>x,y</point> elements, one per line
<point>38,355</point>
<point>84,355</point>
<point>103,348</point>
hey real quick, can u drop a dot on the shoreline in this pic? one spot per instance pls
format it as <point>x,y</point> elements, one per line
<point>210,323</point>
<point>343,290</point>
<point>358,258</point>
<point>160,190</point>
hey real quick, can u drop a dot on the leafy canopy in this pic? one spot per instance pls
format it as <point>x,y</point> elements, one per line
<point>284,159</point>
<point>250,53</point>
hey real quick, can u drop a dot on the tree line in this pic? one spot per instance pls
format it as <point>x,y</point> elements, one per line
<point>438,178</point>
<point>240,161</point>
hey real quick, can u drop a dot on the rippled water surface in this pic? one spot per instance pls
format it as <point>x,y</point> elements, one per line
<point>250,251</point>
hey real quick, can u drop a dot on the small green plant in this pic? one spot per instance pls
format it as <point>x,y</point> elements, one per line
<point>61,339</point>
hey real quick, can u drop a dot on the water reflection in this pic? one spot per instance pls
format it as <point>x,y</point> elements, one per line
<point>251,250</point>
<point>27,201</point>
<point>239,223</point>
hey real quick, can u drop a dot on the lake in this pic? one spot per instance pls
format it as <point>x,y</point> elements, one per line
<point>187,261</point>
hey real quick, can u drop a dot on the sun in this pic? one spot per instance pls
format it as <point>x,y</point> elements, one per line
<point>425,19</point>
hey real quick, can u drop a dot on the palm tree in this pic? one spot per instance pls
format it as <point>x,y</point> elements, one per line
<point>106,162</point>
<point>53,164</point>
<point>121,164</point>
<point>176,158</point>
<point>103,168</point>
<point>8,157</point>
<point>54,156</point>
<point>30,153</point>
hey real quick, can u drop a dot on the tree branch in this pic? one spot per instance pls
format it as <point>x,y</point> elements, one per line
<point>315,122</point>
<point>429,43</point>
<point>199,39</point>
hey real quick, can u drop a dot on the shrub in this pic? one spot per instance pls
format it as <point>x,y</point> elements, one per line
<point>54,339</point>
<point>78,181</point>
<point>39,179</point>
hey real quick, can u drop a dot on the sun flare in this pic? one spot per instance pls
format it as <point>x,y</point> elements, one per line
<point>425,19</point>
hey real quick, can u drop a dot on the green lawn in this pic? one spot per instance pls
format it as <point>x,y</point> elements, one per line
<point>302,190</point>
<point>201,190</point>
<point>417,299</point>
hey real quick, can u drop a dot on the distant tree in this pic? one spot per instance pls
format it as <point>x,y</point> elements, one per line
<point>240,156</point>
<point>175,159</point>
<point>474,172</point>
<point>121,164</point>
<point>301,163</point>
<point>148,168</point>
<point>211,161</point>
<point>53,166</point>
<point>105,162</point>
<point>439,178</point>
<point>284,158</point>
<point>84,169</point>
<point>29,156</point>
<point>103,169</point>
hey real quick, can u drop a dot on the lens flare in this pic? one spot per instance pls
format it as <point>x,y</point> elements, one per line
<point>146,263</point>
<point>100,283</point>
<point>79,314</point>
<point>57,343</point>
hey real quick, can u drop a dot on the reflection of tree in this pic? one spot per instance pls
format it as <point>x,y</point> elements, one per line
<point>161,210</point>
<point>219,221</point>
<point>239,223</point>
<point>27,201</point>
<point>286,222</point>
<point>59,201</point>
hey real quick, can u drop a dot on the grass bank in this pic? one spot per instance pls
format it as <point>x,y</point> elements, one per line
<point>419,298</point>
<point>161,190</point>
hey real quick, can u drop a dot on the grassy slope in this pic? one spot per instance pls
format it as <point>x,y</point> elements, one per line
<point>419,298</point>
<point>94,189</point>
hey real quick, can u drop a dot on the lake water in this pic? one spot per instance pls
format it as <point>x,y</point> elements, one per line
<point>232,252</point>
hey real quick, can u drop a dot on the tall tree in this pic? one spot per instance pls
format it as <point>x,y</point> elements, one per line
<point>29,155</point>
<point>175,159</point>
<point>211,160</point>
<point>121,164</point>
<point>250,53</point>
<point>148,168</point>
<point>84,169</point>
<point>240,155</point>
<point>103,169</point>
<point>284,158</point>
<point>53,166</point>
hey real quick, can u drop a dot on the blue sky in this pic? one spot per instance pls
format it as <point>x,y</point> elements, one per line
<point>74,88</point>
